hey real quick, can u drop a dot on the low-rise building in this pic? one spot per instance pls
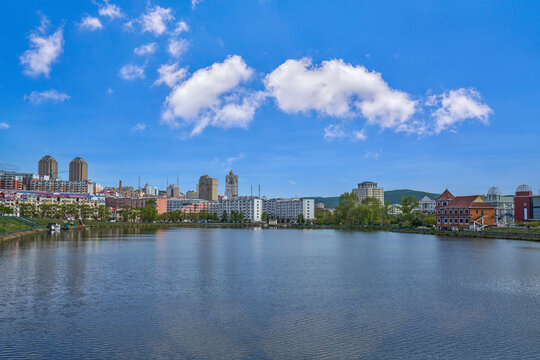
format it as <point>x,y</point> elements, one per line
<point>427,205</point>
<point>504,206</point>
<point>188,206</point>
<point>395,209</point>
<point>289,209</point>
<point>526,205</point>
<point>14,198</point>
<point>251,207</point>
<point>116,203</point>
<point>463,212</point>
<point>319,206</point>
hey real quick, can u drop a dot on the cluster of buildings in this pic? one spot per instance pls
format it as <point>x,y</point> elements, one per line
<point>479,211</point>
<point>46,188</point>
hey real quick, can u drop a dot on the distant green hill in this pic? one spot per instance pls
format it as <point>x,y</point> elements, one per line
<point>392,196</point>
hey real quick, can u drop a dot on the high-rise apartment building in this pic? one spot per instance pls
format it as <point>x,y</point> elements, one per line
<point>48,166</point>
<point>369,189</point>
<point>231,185</point>
<point>78,170</point>
<point>208,188</point>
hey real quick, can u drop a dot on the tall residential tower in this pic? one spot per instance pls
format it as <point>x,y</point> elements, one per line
<point>231,185</point>
<point>48,166</point>
<point>78,170</point>
<point>369,189</point>
<point>208,188</point>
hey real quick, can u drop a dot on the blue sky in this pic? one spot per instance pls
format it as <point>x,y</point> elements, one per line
<point>302,97</point>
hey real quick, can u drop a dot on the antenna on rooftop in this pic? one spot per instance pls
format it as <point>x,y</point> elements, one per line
<point>259,190</point>
<point>177,180</point>
<point>139,181</point>
<point>251,190</point>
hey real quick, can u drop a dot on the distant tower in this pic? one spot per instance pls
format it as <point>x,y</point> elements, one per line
<point>48,166</point>
<point>78,170</point>
<point>231,185</point>
<point>208,188</point>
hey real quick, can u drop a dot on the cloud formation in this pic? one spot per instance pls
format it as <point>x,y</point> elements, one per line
<point>146,49</point>
<point>456,106</point>
<point>90,23</point>
<point>52,95</point>
<point>110,10</point>
<point>336,131</point>
<point>139,127</point>
<point>4,125</point>
<point>177,48</point>
<point>131,72</point>
<point>44,50</point>
<point>194,3</point>
<point>181,27</point>
<point>170,75</point>
<point>212,96</point>
<point>155,20</point>
<point>339,90</point>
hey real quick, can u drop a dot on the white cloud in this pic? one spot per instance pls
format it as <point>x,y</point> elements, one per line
<point>212,96</point>
<point>110,10</point>
<point>181,27</point>
<point>139,127</point>
<point>37,98</point>
<point>146,49</point>
<point>90,23</point>
<point>4,125</point>
<point>339,90</point>
<point>177,47</point>
<point>291,182</point>
<point>194,3</point>
<point>336,131</point>
<point>110,91</point>
<point>456,106</point>
<point>131,72</point>
<point>44,50</point>
<point>372,155</point>
<point>155,20</point>
<point>170,75</point>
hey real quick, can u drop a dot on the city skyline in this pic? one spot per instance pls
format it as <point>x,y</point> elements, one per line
<point>453,98</point>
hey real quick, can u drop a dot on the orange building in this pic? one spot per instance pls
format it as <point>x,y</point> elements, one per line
<point>463,212</point>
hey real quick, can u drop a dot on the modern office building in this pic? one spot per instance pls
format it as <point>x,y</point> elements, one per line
<point>504,206</point>
<point>289,209</point>
<point>463,212</point>
<point>208,188</point>
<point>48,166</point>
<point>249,206</point>
<point>231,185</point>
<point>78,170</point>
<point>526,205</point>
<point>369,189</point>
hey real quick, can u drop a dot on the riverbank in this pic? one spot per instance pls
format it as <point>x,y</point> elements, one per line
<point>16,235</point>
<point>532,234</point>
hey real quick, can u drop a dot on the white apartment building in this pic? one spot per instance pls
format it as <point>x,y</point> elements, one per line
<point>426,205</point>
<point>369,189</point>
<point>289,209</point>
<point>395,209</point>
<point>252,208</point>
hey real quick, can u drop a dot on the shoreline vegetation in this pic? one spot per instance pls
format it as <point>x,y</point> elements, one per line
<point>529,234</point>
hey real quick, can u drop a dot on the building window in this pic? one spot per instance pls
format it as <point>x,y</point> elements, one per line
<point>446,221</point>
<point>438,220</point>
<point>449,221</point>
<point>460,211</point>
<point>466,221</point>
<point>461,221</point>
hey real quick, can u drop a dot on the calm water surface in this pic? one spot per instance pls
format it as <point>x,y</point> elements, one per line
<point>276,294</point>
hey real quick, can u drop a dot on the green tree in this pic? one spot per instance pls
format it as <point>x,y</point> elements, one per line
<point>408,204</point>
<point>264,217</point>
<point>430,221</point>
<point>149,213</point>
<point>347,201</point>
<point>224,216</point>
<point>300,219</point>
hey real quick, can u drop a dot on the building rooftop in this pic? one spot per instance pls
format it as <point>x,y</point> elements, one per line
<point>474,201</point>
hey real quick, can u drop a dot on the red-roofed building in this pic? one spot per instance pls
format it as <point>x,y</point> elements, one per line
<point>463,212</point>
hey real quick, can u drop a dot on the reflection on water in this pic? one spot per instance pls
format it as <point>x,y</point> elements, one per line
<point>237,293</point>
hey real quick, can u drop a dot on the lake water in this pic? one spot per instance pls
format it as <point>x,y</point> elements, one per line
<point>275,294</point>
